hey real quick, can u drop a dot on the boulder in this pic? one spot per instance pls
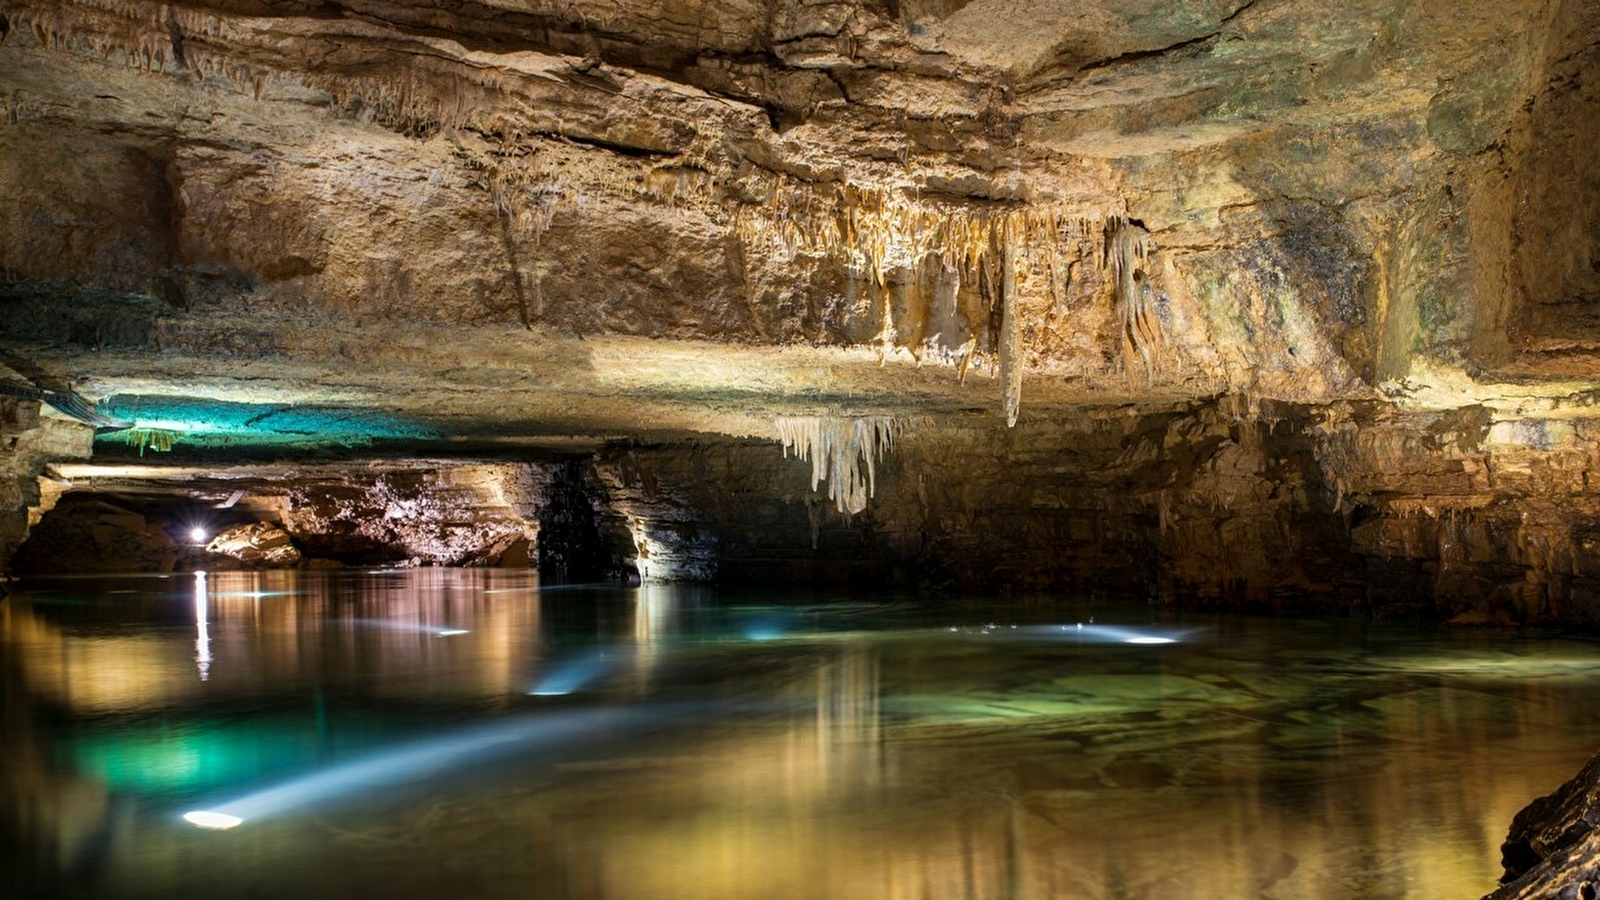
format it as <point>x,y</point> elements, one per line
<point>260,544</point>
<point>1553,849</point>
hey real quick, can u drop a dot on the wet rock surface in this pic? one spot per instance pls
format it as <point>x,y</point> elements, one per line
<point>1553,849</point>
<point>31,437</point>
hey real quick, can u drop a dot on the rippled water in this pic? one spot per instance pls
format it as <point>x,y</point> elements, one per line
<point>440,733</point>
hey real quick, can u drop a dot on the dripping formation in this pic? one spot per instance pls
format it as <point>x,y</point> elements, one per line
<point>1127,257</point>
<point>844,452</point>
<point>948,280</point>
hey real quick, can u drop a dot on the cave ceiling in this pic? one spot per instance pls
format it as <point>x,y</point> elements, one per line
<point>519,222</point>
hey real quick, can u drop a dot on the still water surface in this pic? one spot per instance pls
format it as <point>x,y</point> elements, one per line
<point>437,733</point>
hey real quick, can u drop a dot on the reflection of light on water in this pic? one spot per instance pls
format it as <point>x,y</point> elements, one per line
<point>1505,665</point>
<point>202,641</point>
<point>577,671</point>
<point>764,628</point>
<point>410,761</point>
<point>585,586</point>
<point>848,726</point>
<point>1082,633</point>
<point>653,613</point>
<point>409,627</point>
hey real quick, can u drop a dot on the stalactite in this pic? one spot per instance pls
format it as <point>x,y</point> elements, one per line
<point>1010,339</point>
<point>886,334</point>
<point>1126,254</point>
<point>158,439</point>
<point>984,247</point>
<point>677,185</point>
<point>844,452</point>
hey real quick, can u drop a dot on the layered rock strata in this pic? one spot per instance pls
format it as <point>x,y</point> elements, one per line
<point>31,437</point>
<point>1237,300</point>
<point>1269,197</point>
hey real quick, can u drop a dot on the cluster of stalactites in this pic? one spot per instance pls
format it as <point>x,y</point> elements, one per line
<point>982,245</point>
<point>878,230</point>
<point>158,439</point>
<point>1127,257</point>
<point>844,452</point>
<point>150,37</point>
<point>423,96</point>
<point>143,33</point>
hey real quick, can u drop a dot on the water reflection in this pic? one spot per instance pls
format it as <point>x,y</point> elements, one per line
<point>385,732</point>
<point>202,640</point>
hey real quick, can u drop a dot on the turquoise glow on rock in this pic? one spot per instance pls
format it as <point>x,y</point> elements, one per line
<point>203,422</point>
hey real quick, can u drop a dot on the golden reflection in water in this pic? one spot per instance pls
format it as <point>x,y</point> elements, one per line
<point>865,768</point>
<point>47,816</point>
<point>265,628</point>
<point>654,614</point>
<point>806,805</point>
<point>93,672</point>
<point>1206,802</point>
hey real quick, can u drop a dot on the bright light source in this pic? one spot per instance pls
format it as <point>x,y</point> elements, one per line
<point>449,632</point>
<point>202,818</point>
<point>1151,640</point>
<point>197,534</point>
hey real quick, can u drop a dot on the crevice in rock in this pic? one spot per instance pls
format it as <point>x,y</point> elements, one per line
<point>573,546</point>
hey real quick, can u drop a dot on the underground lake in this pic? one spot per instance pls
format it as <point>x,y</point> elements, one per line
<point>473,733</point>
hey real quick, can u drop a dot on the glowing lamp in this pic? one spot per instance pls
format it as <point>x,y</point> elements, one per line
<point>218,821</point>
<point>197,534</point>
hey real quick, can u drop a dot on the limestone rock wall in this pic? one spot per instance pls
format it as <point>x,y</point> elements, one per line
<point>444,515</point>
<point>1328,192</point>
<point>1304,290</point>
<point>1355,508</point>
<point>30,439</point>
<point>85,534</point>
<point>360,514</point>
<point>1237,502</point>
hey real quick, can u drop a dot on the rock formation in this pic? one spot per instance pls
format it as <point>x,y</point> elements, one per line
<point>1241,302</point>
<point>1248,303</point>
<point>1553,849</point>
